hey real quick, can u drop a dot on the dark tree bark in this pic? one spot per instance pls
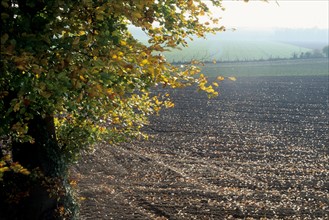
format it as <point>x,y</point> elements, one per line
<point>27,197</point>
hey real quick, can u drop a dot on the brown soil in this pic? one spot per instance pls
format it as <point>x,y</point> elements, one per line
<point>259,150</point>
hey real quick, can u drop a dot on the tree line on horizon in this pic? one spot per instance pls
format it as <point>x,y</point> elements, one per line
<point>315,53</point>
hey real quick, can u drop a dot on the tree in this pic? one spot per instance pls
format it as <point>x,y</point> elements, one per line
<point>308,54</point>
<point>71,75</point>
<point>325,50</point>
<point>317,53</point>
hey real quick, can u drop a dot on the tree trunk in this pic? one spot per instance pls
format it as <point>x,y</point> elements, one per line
<point>28,196</point>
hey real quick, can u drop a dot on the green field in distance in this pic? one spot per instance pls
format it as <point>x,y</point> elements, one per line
<point>301,67</point>
<point>226,50</point>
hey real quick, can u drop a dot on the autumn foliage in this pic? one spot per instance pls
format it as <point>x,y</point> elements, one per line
<point>72,74</point>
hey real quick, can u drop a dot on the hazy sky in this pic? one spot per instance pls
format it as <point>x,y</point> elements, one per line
<point>288,14</point>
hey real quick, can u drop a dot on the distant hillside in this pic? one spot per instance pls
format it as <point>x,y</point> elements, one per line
<point>247,44</point>
<point>234,50</point>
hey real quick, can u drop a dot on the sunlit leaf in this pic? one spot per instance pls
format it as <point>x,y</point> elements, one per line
<point>220,78</point>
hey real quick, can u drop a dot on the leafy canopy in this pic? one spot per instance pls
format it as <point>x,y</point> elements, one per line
<point>76,61</point>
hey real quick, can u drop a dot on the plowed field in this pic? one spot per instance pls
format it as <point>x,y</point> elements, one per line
<point>259,150</point>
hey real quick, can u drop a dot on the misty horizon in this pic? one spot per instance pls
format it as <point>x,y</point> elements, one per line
<point>318,35</point>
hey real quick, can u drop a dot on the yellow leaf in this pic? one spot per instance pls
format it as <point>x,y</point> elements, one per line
<point>17,106</point>
<point>144,62</point>
<point>232,78</point>
<point>109,90</point>
<point>24,171</point>
<point>169,104</point>
<point>115,120</point>
<point>220,78</point>
<point>4,169</point>
<point>82,78</point>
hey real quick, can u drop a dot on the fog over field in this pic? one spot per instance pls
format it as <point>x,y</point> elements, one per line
<point>248,44</point>
<point>308,35</point>
<point>274,34</point>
